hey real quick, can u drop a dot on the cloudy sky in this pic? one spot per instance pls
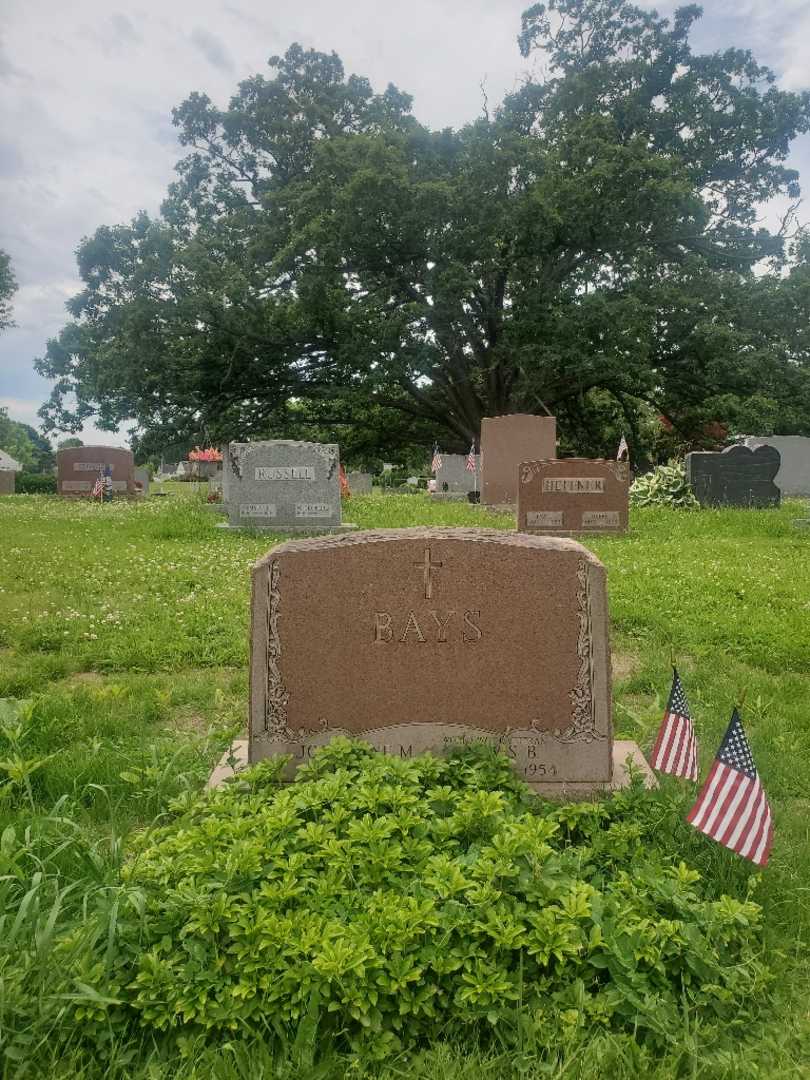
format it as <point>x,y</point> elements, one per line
<point>87,88</point>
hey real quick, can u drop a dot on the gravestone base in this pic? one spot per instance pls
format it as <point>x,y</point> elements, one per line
<point>448,496</point>
<point>289,530</point>
<point>623,749</point>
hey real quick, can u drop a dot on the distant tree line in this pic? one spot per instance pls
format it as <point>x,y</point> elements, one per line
<point>325,265</point>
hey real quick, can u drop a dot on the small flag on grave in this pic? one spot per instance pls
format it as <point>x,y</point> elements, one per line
<point>624,449</point>
<point>98,487</point>
<point>469,464</point>
<point>732,807</point>
<point>675,750</point>
<point>436,463</point>
<point>344,483</point>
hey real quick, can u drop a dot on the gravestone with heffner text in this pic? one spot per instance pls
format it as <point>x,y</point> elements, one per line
<point>573,495</point>
<point>513,629</point>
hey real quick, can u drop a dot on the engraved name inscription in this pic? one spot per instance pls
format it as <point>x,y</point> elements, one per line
<point>313,510</point>
<point>609,518</point>
<point>285,472</point>
<point>88,466</point>
<point>257,510</point>
<point>575,485</point>
<point>431,625</point>
<point>545,518</point>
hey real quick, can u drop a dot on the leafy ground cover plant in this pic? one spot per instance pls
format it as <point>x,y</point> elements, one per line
<point>666,485</point>
<point>378,901</point>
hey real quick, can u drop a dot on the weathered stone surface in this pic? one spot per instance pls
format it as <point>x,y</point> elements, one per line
<point>506,441</point>
<point>360,483</point>
<point>7,481</point>
<point>737,476</point>
<point>282,483</point>
<point>78,467</point>
<point>454,478</point>
<point>793,477</point>
<point>413,639</point>
<point>573,495</point>
<point>142,481</point>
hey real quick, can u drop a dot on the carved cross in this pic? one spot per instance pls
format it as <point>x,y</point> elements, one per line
<point>427,567</point>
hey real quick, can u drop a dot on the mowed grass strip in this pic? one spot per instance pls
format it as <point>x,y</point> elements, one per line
<point>127,625</point>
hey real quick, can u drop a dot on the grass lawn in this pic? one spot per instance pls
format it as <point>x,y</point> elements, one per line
<point>126,625</point>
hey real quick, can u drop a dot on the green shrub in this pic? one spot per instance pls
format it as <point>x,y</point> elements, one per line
<point>666,485</point>
<point>380,902</point>
<point>35,484</point>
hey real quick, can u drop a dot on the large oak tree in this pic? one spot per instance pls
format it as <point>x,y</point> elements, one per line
<point>590,249</point>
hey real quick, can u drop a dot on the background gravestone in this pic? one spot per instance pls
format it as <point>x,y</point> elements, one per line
<point>77,469</point>
<point>793,477</point>
<point>360,483</point>
<point>734,477</point>
<point>283,484</point>
<point>7,481</point>
<point>456,476</point>
<point>506,441</point>
<point>573,495</point>
<point>142,481</point>
<point>513,628</point>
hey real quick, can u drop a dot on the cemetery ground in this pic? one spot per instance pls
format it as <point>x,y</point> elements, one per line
<point>124,627</point>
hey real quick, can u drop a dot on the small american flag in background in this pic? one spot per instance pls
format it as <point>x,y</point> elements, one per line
<point>98,487</point>
<point>623,450</point>
<point>436,464</point>
<point>469,465</point>
<point>675,750</point>
<point>732,807</point>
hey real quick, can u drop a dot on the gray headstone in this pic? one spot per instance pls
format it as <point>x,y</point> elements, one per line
<point>141,481</point>
<point>453,478</point>
<point>7,481</point>
<point>359,483</point>
<point>282,483</point>
<point>793,477</point>
<point>737,476</point>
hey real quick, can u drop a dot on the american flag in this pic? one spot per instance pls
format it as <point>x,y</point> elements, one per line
<point>732,807</point>
<point>675,750</point>
<point>623,449</point>
<point>436,464</point>
<point>98,487</point>
<point>469,465</point>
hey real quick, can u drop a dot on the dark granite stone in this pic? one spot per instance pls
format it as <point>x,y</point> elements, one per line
<point>737,476</point>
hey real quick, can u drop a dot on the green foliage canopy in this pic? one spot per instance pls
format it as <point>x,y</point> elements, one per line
<point>590,246</point>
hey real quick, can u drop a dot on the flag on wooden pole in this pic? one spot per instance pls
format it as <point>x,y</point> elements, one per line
<point>624,449</point>
<point>675,750</point>
<point>436,463</point>
<point>732,807</point>
<point>98,487</point>
<point>469,464</point>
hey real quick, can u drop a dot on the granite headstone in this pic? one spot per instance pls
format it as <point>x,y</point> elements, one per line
<point>793,478</point>
<point>506,441</point>
<point>283,485</point>
<point>573,495</point>
<point>7,481</point>
<point>142,481</point>
<point>513,629</point>
<point>78,468</point>
<point>360,483</point>
<point>453,479</point>
<point>736,476</point>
